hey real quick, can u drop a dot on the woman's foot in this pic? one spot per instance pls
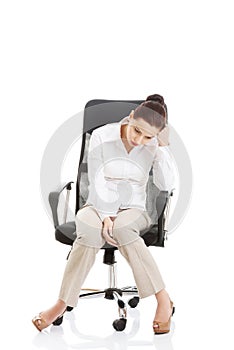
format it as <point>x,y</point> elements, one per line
<point>46,318</point>
<point>165,310</point>
<point>39,322</point>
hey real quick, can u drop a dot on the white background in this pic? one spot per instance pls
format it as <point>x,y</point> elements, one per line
<point>57,55</point>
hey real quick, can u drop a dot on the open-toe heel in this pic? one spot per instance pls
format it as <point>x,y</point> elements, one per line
<point>39,322</point>
<point>163,327</point>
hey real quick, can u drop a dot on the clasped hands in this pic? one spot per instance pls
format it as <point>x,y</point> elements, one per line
<point>107,230</point>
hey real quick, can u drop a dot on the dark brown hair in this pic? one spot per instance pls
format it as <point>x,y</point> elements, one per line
<point>153,110</point>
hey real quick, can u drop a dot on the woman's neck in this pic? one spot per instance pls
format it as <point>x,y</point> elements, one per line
<point>123,134</point>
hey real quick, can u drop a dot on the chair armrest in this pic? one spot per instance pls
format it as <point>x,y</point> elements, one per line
<point>54,201</point>
<point>163,206</point>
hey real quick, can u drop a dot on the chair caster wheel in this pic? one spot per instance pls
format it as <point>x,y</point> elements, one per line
<point>69,308</point>
<point>120,324</point>
<point>133,302</point>
<point>58,322</point>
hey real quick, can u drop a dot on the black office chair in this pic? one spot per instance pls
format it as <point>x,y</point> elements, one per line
<point>96,114</point>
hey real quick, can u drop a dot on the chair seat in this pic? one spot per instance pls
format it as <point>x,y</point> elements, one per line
<point>66,234</point>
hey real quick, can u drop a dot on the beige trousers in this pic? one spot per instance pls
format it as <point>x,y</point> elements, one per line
<point>126,231</point>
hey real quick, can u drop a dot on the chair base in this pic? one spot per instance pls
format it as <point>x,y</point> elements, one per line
<point>115,293</point>
<point>110,292</point>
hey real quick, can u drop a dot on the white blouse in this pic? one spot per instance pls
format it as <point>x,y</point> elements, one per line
<point>118,179</point>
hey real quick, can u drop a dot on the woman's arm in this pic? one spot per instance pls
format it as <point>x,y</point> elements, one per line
<point>163,169</point>
<point>163,137</point>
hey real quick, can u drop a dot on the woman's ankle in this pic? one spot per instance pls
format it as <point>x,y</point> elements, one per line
<point>61,304</point>
<point>59,307</point>
<point>162,296</point>
<point>54,312</point>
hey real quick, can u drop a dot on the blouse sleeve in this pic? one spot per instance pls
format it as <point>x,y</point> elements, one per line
<point>163,169</point>
<point>104,199</point>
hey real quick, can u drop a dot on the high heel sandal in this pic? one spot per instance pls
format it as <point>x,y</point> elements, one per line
<point>41,324</point>
<point>163,327</point>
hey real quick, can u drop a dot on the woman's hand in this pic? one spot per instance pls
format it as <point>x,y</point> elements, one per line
<point>107,231</point>
<point>163,137</point>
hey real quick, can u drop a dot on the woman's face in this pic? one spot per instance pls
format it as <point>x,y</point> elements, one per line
<point>139,132</point>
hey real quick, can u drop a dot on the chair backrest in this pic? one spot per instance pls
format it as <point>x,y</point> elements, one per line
<point>96,114</point>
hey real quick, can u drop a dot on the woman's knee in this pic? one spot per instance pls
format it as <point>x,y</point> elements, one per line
<point>89,228</point>
<point>128,225</point>
<point>125,234</point>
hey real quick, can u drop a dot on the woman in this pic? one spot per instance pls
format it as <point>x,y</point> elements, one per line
<point>119,160</point>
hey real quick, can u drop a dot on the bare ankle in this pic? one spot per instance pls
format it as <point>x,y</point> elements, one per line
<point>162,296</point>
<point>61,304</point>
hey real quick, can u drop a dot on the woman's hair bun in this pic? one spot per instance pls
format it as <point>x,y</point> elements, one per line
<point>156,98</point>
<point>153,110</point>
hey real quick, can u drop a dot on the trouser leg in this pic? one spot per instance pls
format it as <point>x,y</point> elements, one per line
<point>126,231</point>
<point>79,263</point>
<point>145,271</point>
<point>82,257</point>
